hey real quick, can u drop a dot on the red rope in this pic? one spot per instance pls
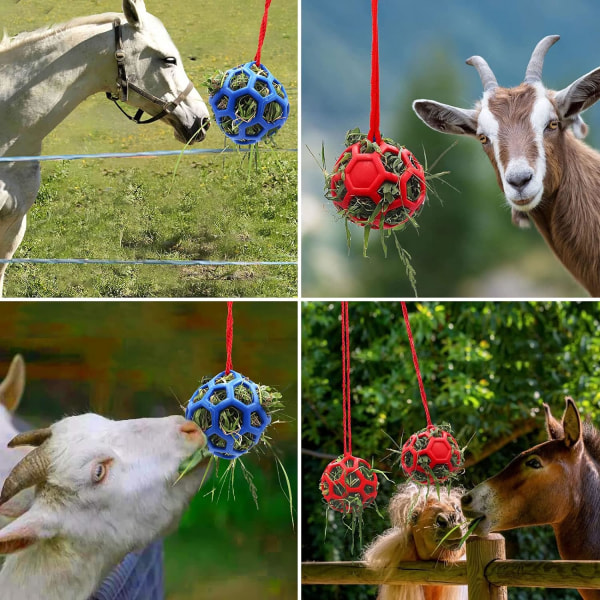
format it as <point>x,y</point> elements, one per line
<point>374,133</point>
<point>229,336</point>
<point>416,363</point>
<point>263,31</point>
<point>346,381</point>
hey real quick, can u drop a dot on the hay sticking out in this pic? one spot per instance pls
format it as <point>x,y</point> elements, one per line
<point>439,473</point>
<point>366,209</point>
<point>353,501</point>
<point>351,504</point>
<point>246,107</point>
<point>230,419</point>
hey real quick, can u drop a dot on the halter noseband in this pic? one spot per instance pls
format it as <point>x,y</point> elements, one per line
<point>125,85</point>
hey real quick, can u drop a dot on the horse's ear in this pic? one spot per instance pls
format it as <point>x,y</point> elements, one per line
<point>571,424</point>
<point>135,11</point>
<point>553,426</point>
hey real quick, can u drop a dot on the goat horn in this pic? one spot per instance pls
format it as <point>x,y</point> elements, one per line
<point>31,470</point>
<point>488,79</point>
<point>536,62</point>
<point>36,437</point>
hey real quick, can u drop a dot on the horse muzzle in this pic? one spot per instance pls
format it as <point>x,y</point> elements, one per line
<point>474,508</point>
<point>196,132</point>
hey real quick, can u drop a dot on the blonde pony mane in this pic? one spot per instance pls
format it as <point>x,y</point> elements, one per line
<point>409,500</point>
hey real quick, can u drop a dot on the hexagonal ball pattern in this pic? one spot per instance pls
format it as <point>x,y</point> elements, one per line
<point>243,136</point>
<point>365,173</point>
<point>347,465</point>
<point>440,452</point>
<point>201,399</point>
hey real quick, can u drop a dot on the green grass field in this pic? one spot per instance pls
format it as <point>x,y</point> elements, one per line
<point>217,207</point>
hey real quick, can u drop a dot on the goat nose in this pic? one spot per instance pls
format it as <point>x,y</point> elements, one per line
<point>519,179</point>
<point>205,123</point>
<point>190,428</point>
<point>466,499</point>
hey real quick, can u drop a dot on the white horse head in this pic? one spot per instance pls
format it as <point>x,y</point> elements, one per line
<point>154,72</point>
<point>46,74</point>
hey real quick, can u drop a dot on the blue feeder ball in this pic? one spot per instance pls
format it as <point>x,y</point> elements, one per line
<point>251,104</point>
<point>206,408</point>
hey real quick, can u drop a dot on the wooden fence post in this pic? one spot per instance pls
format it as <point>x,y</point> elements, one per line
<point>480,552</point>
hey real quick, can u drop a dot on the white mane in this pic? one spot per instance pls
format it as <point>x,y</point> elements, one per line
<point>8,43</point>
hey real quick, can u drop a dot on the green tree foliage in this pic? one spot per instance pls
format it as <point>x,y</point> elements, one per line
<point>487,368</point>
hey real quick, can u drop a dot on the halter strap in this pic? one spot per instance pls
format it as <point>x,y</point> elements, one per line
<point>124,85</point>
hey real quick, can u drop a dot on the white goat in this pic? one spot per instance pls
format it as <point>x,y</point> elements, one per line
<point>103,488</point>
<point>530,135</point>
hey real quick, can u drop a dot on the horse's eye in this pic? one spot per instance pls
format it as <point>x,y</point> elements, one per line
<point>171,60</point>
<point>552,125</point>
<point>483,138</point>
<point>534,463</point>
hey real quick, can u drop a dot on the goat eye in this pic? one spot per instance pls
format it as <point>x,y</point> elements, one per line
<point>483,138</point>
<point>534,463</point>
<point>99,473</point>
<point>170,60</point>
<point>552,125</point>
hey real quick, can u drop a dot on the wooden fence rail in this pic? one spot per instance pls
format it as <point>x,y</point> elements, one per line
<point>486,572</point>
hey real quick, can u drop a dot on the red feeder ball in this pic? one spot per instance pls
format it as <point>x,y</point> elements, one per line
<point>348,484</point>
<point>431,455</point>
<point>360,183</point>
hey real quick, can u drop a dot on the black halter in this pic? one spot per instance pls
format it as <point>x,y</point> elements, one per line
<point>125,85</point>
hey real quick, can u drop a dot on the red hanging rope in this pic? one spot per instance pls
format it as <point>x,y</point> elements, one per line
<point>229,337</point>
<point>346,381</point>
<point>263,31</point>
<point>374,133</point>
<point>416,363</point>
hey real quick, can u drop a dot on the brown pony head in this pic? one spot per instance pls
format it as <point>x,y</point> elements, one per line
<point>537,487</point>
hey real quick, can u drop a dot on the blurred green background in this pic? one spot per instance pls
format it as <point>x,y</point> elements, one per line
<point>216,208</point>
<point>487,367</point>
<point>466,245</point>
<point>125,360</point>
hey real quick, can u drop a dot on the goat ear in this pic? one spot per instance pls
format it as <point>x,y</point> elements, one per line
<point>18,505</point>
<point>553,426</point>
<point>571,424</point>
<point>581,94</point>
<point>20,534</point>
<point>446,118</point>
<point>135,11</point>
<point>11,389</point>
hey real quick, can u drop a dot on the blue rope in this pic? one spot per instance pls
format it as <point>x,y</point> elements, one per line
<point>4,159</point>
<point>175,263</point>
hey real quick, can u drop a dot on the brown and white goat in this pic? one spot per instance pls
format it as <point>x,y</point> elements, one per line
<point>530,135</point>
<point>424,527</point>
